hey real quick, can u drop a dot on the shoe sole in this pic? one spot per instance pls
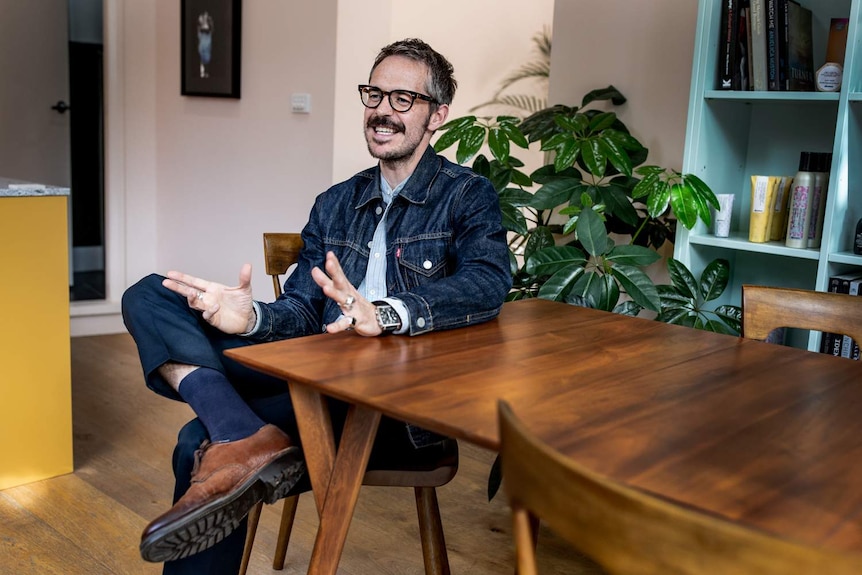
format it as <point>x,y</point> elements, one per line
<point>213,522</point>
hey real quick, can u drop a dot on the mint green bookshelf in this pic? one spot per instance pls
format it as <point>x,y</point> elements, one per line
<point>732,135</point>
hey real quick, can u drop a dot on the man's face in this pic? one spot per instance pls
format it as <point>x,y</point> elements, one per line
<point>395,136</point>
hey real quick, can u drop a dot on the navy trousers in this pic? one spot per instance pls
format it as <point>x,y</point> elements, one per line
<point>166,329</point>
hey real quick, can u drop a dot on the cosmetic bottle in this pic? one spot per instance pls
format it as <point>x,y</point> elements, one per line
<point>820,162</point>
<point>801,192</point>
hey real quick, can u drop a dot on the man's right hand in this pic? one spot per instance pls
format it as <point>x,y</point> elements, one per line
<point>228,309</point>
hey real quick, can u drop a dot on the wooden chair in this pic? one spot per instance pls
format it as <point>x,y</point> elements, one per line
<point>767,308</point>
<point>628,531</point>
<point>424,470</point>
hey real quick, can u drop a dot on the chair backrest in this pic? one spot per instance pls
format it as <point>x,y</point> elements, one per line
<point>628,531</point>
<point>767,308</point>
<point>280,251</point>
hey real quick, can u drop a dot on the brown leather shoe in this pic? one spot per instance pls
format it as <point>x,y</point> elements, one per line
<point>227,481</point>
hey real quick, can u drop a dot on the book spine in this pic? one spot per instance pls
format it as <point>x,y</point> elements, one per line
<point>783,41</point>
<point>772,45</point>
<point>758,44</point>
<point>831,342</point>
<point>741,77</point>
<point>849,347</point>
<point>727,46</point>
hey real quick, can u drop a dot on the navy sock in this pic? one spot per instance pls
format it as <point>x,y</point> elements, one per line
<point>223,412</point>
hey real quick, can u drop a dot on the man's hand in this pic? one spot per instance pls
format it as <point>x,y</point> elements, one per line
<point>359,312</point>
<point>226,308</point>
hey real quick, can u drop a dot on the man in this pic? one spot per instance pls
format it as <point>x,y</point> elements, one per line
<point>422,239</point>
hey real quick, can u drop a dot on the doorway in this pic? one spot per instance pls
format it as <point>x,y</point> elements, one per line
<point>86,135</point>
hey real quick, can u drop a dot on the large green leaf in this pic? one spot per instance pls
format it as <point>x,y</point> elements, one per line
<point>555,193</point>
<point>453,131</point>
<point>539,239</point>
<point>567,154</point>
<point>632,255</point>
<point>592,233</point>
<point>682,279</point>
<point>609,93</point>
<point>559,284</point>
<point>638,286</point>
<point>684,205</point>
<point>550,260</point>
<point>609,294</point>
<point>602,121</point>
<point>658,200</point>
<point>617,156</point>
<point>516,197</point>
<point>514,134</point>
<point>617,203</point>
<point>594,157</point>
<point>647,185</point>
<point>469,145</point>
<point>701,189</point>
<point>498,143</point>
<point>513,219</point>
<point>714,279</point>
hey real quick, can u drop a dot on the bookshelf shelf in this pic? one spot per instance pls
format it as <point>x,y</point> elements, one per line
<point>732,135</point>
<point>751,96</point>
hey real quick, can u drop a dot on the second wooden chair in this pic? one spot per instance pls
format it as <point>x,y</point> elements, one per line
<point>631,532</point>
<point>423,470</point>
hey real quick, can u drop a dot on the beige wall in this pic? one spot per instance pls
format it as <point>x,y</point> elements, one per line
<point>644,48</point>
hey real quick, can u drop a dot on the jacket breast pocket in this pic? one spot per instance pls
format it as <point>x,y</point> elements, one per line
<point>423,260</point>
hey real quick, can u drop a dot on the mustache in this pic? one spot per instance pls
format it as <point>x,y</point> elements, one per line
<point>384,122</point>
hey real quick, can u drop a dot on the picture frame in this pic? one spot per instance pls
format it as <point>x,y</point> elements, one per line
<point>210,48</point>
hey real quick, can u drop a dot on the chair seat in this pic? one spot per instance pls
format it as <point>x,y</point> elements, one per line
<point>430,466</point>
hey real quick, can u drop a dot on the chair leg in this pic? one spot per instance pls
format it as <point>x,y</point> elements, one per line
<point>431,532</point>
<point>253,520</point>
<point>525,533</point>
<point>287,515</point>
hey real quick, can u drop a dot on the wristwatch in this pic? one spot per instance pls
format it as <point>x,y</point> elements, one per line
<point>387,318</point>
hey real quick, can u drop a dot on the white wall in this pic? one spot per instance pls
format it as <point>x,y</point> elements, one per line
<point>227,170</point>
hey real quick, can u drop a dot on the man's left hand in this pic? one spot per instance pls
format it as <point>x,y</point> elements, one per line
<point>359,313</point>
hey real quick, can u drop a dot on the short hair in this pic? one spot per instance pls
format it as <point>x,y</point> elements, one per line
<point>441,82</point>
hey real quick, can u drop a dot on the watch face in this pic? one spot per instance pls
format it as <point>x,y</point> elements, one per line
<point>387,317</point>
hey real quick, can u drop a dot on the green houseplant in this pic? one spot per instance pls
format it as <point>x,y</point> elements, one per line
<point>598,182</point>
<point>585,225</point>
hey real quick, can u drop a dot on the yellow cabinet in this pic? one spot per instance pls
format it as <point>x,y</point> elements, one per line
<point>35,372</point>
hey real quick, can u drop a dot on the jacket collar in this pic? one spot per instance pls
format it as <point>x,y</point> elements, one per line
<point>418,187</point>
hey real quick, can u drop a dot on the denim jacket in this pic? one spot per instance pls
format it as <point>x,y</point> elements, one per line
<point>447,258</point>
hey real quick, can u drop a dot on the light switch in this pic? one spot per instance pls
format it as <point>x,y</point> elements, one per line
<point>300,103</point>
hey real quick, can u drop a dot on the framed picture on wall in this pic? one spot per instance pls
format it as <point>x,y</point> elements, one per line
<point>210,44</point>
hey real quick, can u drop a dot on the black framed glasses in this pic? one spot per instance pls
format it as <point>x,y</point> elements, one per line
<point>400,100</point>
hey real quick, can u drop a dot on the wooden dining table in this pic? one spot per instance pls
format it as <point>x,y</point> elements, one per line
<point>763,435</point>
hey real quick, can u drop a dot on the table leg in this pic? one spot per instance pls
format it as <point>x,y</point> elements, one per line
<point>335,477</point>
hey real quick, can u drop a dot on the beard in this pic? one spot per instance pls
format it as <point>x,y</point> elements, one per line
<point>403,151</point>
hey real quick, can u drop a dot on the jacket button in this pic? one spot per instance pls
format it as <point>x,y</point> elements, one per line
<point>420,322</point>
<point>426,264</point>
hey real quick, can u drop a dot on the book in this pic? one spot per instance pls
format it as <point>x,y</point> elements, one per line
<point>741,76</point>
<point>783,31</point>
<point>849,346</point>
<point>727,48</point>
<point>772,45</point>
<point>800,51</point>
<point>757,51</point>
<point>837,43</point>
<point>832,343</point>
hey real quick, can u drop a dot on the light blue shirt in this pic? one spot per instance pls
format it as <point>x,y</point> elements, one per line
<point>373,287</point>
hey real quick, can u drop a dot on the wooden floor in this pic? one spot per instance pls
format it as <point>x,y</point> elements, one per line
<point>89,522</point>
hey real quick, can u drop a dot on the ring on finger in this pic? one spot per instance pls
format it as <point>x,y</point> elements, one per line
<point>348,303</point>
<point>352,322</point>
<point>200,295</point>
